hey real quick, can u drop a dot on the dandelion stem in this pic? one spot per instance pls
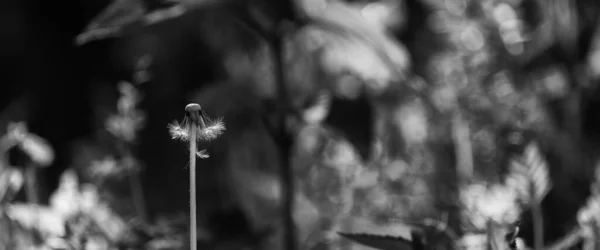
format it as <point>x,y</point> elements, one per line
<point>193,150</point>
<point>191,129</point>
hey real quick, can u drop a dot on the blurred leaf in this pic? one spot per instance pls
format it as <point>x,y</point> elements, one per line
<point>44,219</point>
<point>379,241</point>
<point>497,203</point>
<point>534,167</point>
<point>474,241</point>
<point>34,147</point>
<point>318,111</point>
<point>111,224</point>
<point>11,181</point>
<point>66,198</point>
<point>165,243</point>
<point>112,21</point>
<point>38,149</point>
<point>345,29</point>
<point>538,170</point>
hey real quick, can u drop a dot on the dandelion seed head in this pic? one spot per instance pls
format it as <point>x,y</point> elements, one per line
<point>206,128</point>
<point>179,130</point>
<point>213,129</point>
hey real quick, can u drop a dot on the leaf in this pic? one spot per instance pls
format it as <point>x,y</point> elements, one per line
<point>474,241</point>
<point>319,109</point>
<point>66,198</point>
<point>382,242</point>
<point>347,22</point>
<point>538,171</point>
<point>531,170</point>
<point>41,218</point>
<point>123,15</point>
<point>112,21</point>
<point>11,181</point>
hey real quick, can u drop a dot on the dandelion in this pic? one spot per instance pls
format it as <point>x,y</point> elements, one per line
<point>196,119</point>
<point>196,125</point>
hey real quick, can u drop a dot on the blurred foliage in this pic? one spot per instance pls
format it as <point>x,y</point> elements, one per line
<point>461,120</point>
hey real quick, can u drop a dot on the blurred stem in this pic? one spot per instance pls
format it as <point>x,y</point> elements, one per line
<point>568,241</point>
<point>284,140</point>
<point>135,184</point>
<point>463,147</point>
<point>538,223</point>
<point>591,238</point>
<point>193,150</point>
<point>490,236</point>
<point>32,194</point>
<point>11,234</point>
<point>5,145</point>
<point>138,196</point>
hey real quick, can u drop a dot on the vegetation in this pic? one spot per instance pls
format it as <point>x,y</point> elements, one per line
<point>389,124</point>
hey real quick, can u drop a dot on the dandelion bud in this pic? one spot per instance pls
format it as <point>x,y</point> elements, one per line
<point>192,107</point>
<point>193,112</point>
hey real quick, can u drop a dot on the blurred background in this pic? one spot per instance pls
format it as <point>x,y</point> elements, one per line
<point>401,124</point>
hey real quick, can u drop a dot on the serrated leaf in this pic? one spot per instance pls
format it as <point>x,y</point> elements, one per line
<point>383,242</point>
<point>538,171</point>
<point>533,167</point>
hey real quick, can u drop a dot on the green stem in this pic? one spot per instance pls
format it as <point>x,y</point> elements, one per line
<point>193,150</point>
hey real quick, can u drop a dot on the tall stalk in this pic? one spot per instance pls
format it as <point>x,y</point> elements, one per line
<point>195,126</point>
